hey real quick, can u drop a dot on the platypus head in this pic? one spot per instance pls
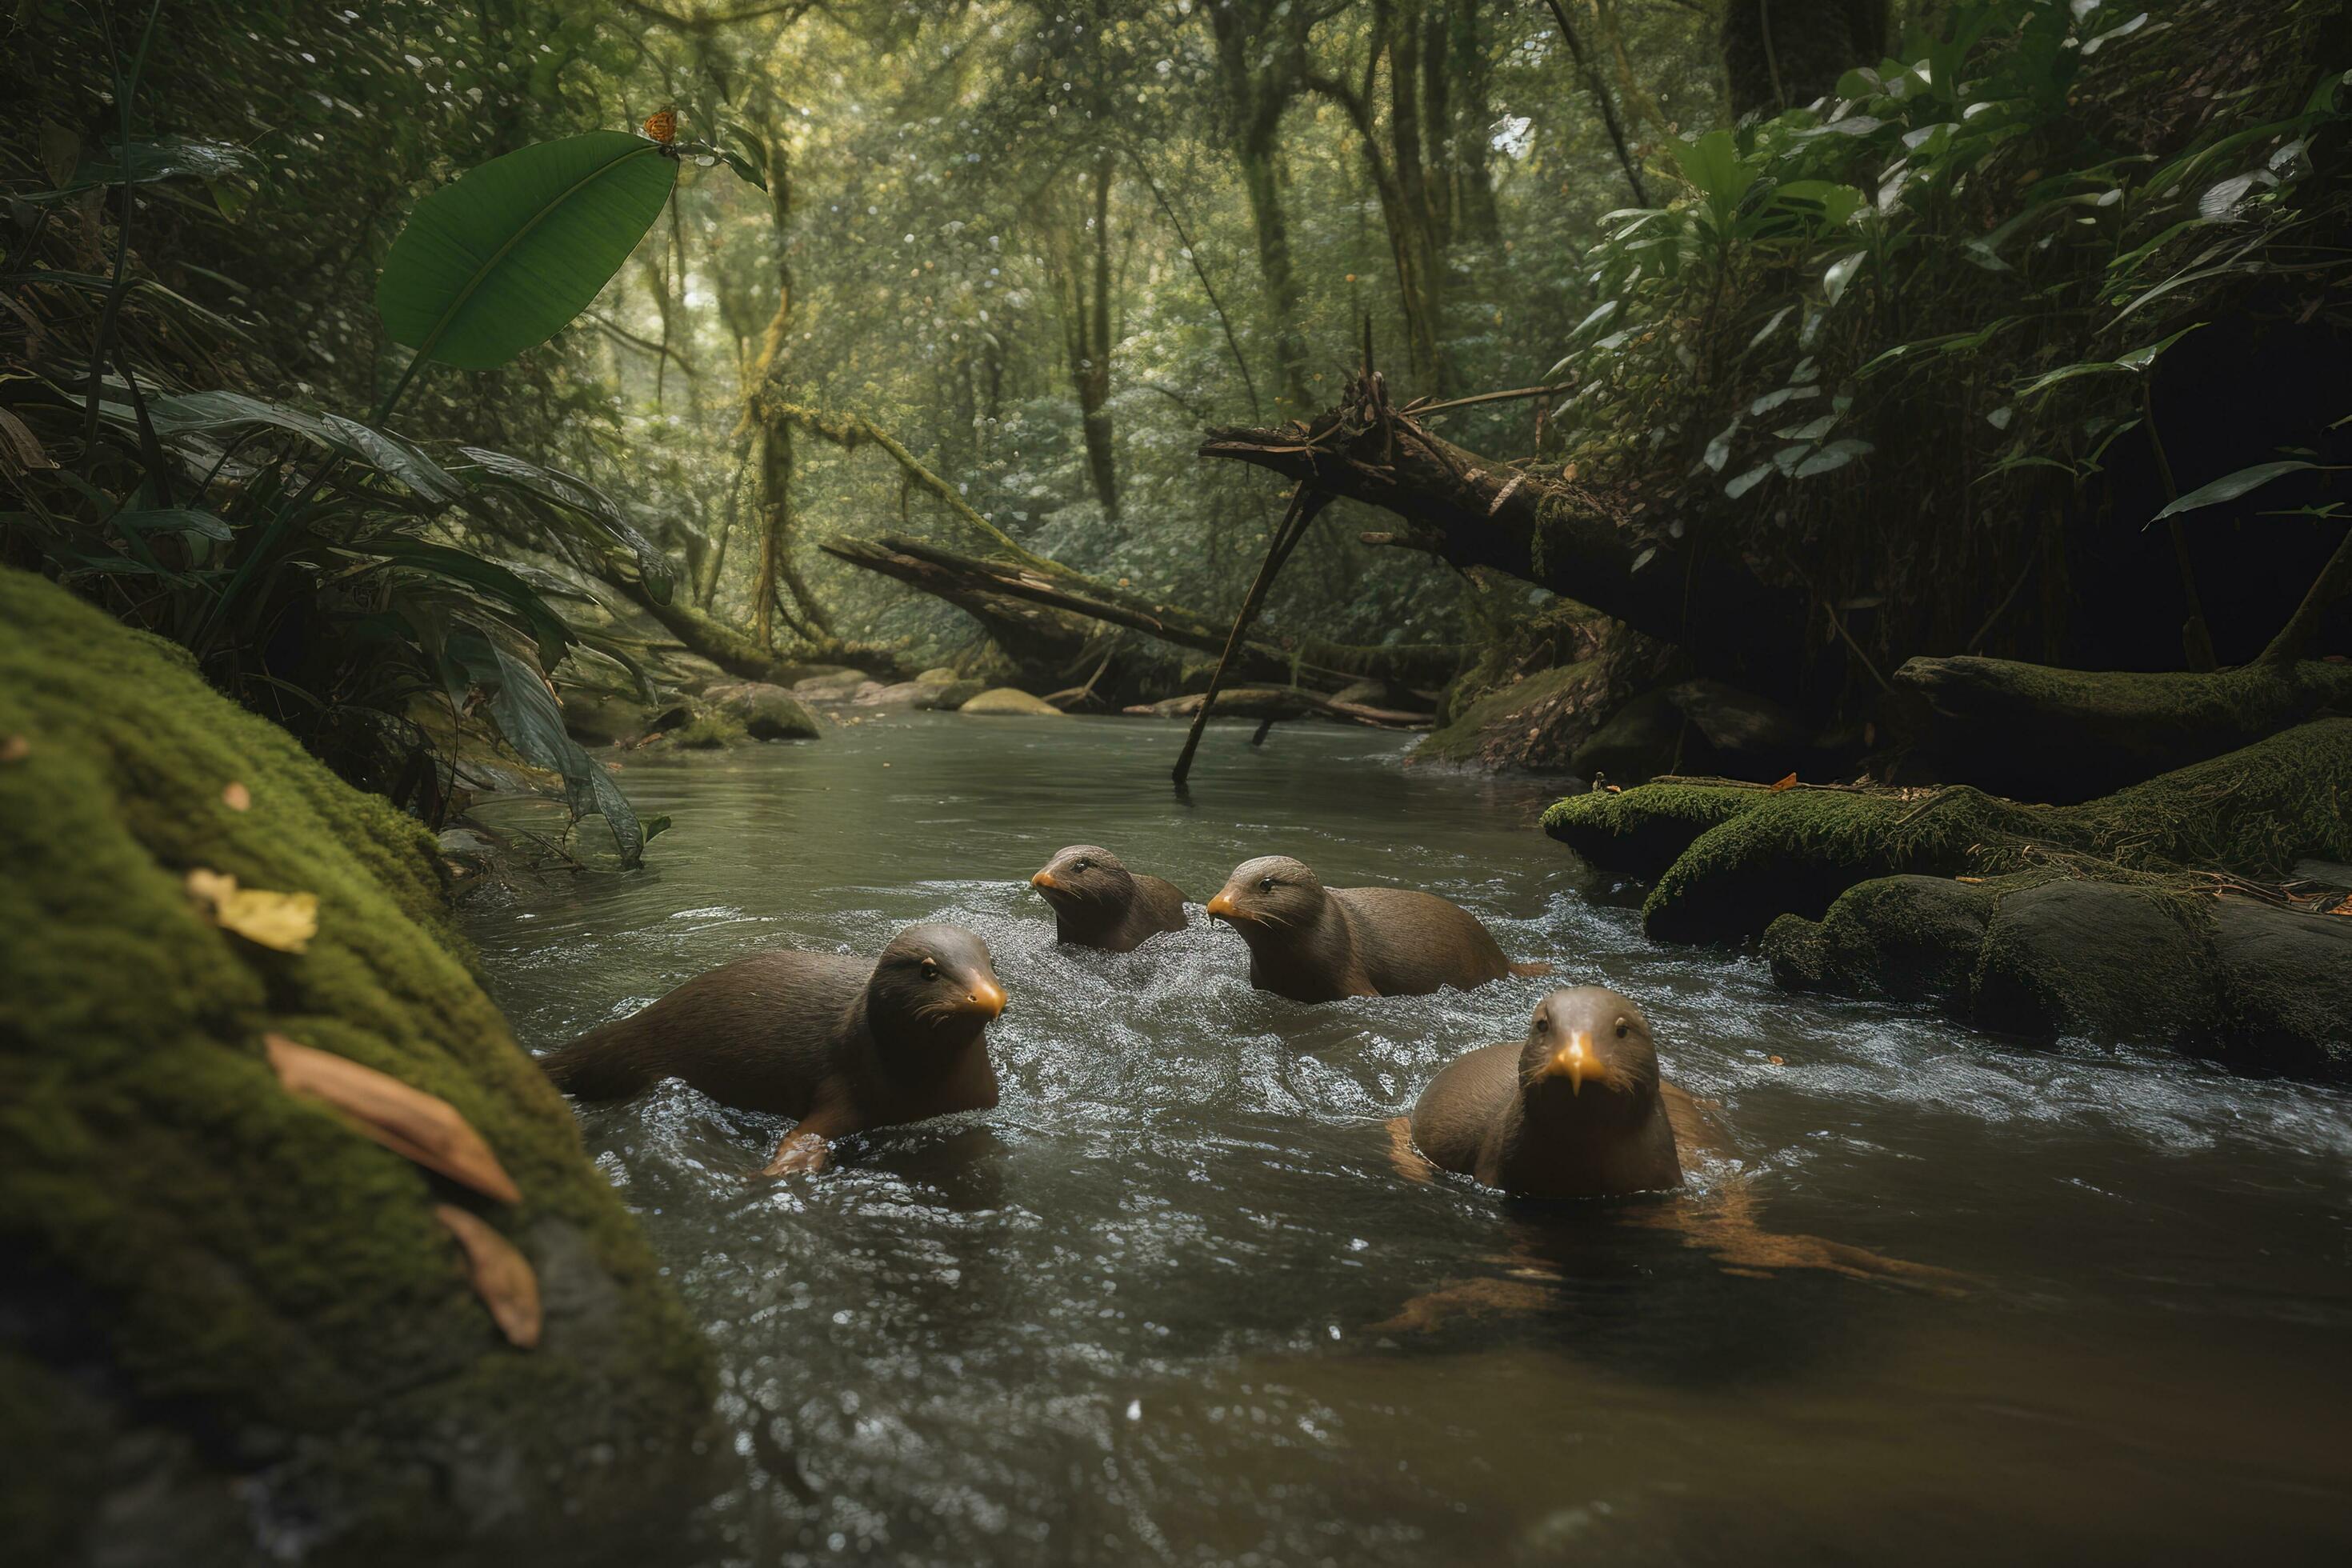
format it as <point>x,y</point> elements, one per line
<point>1086,883</point>
<point>1272,898</point>
<point>933,984</point>
<point>1589,1052</point>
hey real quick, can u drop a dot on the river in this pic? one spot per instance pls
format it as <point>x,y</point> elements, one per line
<point>1170,1301</point>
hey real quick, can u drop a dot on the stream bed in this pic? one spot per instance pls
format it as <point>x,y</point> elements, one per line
<point>1172,1302</point>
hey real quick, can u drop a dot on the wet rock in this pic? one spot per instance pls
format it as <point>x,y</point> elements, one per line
<point>268,1341</point>
<point>2135,964</point>
<point>1695,727</point>
<point>710,731</point>
<point>939,674</point>
<point>602,718</point>
<point>1008,700</point>
<point>691,673</point>
<point>1639,742</point>
<point>766,712</point>
<point>2097,959</point>
<point>2286,981</point>
<point>1533,724</point>
<point>1914,938</point>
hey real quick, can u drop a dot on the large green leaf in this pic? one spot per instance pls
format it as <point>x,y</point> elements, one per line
<point>2230,487</point>
<point>501,259</point>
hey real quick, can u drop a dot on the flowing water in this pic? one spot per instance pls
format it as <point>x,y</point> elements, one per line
<point>1172,1302</point>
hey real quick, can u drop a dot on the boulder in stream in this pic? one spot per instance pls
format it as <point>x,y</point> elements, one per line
<point>766,712</point>
<point>1008,700</point>
<point>234,1323</point>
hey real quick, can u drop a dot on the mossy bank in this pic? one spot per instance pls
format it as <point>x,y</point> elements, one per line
<point>231,1326</point>
<point>2121,917</point>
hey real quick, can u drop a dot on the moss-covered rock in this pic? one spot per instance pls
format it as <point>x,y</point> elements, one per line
<point>1535,725</point>
<point>225,1310</point>
<point>600,718</point>
<point>709,731</point>
<point>766,712</point>
<point>2143,960</point>
<point>1729,860</point>
<point>1009,700</point>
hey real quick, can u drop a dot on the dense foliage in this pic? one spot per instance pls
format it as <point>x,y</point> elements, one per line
<point>1930,348</point>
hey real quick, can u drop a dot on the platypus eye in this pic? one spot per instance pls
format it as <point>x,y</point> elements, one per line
<point>1266,884</point>
<point>1623,1028</point>
<point>930,969</point>
<point>1543,1024</point>
<point>1081,865</point>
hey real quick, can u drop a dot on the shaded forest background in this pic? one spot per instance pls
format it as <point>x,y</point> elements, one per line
<point>1046,248</point>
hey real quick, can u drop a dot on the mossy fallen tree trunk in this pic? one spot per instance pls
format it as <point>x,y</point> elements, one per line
<point>1271,703</point>
<point>1046,645</point>
<point>1023,573</point>
<point>738,653</point>
<point>227,1315</point>
<point>1729,859</point>
<point>2030,731</point>
<point>983,588</point>
<point>1730,862</point>
<point>1474,510</point>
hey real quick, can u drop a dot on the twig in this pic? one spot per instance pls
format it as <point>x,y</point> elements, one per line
<point>1306,502</point>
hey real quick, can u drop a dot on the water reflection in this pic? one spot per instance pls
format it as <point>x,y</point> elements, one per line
<point>1149,1308</point>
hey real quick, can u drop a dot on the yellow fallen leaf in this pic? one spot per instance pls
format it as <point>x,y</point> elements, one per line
<point>236,796</point>
<point>285,922</point>
<point>502,1276</point>
<point>1789,783</point>
<point>408,1121</point>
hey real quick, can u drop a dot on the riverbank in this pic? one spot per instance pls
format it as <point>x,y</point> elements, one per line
<point>237,1317</point>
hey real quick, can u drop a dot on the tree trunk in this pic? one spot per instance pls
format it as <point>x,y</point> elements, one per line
<point>1271,655</point>
<point>1082,276</point>
<point>776,574</point>
<point>1260,57</point>
<point>1047,645</point>
<point>1475,512</point>
<point>1470,154</point>
<point>2061,735</point>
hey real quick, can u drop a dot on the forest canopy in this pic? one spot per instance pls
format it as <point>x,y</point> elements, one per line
<point>1824,344</point>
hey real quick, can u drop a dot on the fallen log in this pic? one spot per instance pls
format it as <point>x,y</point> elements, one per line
<point>983,589</point>
<point>1270,703</point>
<point>1474,510</point>
<point>1032,634</point>
<point>2061,735</point>
<point>737,651</point>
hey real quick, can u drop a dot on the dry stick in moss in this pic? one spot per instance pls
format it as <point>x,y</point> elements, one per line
<point>1305,503</point>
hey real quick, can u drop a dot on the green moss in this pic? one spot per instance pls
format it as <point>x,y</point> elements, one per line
<point>1504,714</point>
<point>1728,860</point>
<point>707,732</point>
<point>2139,957</point>
<point>238,1263</point>
<point>1640,832</point>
